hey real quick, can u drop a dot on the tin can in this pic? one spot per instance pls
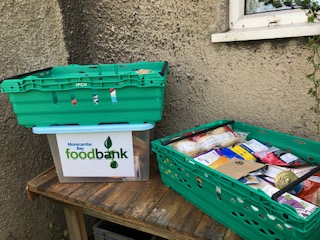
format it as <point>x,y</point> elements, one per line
<point>284,178</point>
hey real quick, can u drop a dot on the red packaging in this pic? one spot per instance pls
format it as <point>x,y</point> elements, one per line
<point>310,187</point>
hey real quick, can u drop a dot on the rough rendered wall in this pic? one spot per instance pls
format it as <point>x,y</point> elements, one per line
<point>31,39</point>
<point>258,82</point>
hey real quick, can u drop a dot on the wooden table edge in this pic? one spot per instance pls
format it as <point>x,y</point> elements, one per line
<point>33,192</point>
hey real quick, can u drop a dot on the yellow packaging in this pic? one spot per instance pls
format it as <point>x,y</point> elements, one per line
<point>243,153</point>
<point>219,162</point>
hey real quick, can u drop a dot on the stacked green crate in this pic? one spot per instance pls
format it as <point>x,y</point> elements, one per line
<point>89,94</point>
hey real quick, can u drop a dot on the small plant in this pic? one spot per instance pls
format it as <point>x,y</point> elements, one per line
<point>314,77</point>
<point>312,11</point>
<point>57,233</point>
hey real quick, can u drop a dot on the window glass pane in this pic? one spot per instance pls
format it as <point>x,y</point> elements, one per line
<point>259,6</point>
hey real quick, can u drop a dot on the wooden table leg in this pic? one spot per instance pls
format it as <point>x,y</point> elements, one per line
<point>76,225</point>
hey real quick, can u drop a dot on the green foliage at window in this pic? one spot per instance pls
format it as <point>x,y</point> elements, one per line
<point>312,10</point>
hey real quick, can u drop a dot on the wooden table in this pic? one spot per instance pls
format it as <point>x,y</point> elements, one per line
<point>146,206</point>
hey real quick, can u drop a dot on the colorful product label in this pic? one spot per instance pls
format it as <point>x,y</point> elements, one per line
<point>243,153</point>
<point>303,208</point>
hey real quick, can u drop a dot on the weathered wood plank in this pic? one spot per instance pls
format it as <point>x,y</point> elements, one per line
<point>33,185</point>
<point>54,187</point>
<point>81,194</point>
<point>186,219</point>
<point>165,209</point>
<point>42,178</point>
<point>112,195</point>
<point>208,228</point>
<point>102,193</point>
<point>144,200</point>
<point>231,236</point>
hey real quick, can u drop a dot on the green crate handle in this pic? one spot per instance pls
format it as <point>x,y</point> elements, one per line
<point>175,139</point>
<point>164,68</point>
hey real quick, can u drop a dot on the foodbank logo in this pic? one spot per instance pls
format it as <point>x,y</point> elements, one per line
<point>97,154</point>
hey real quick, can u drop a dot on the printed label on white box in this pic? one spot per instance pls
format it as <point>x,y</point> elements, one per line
<point>107,154</point>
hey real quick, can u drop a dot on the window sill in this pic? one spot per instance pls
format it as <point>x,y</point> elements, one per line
<point>272,32</point>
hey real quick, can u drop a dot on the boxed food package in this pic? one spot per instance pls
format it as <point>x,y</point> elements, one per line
<point>103,153</point>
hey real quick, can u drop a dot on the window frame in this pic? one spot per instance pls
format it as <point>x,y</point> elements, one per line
<point>266,25</point>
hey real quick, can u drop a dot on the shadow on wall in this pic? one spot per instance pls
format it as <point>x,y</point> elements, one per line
<point>74,17</point>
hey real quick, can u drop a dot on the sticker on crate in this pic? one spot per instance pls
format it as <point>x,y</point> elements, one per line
<point>108,154</point>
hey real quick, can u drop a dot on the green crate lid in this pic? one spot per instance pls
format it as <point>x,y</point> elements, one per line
<point>99,76</point>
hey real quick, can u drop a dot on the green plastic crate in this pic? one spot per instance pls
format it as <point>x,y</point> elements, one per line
<point>248,212</point>
<point>89,94</point>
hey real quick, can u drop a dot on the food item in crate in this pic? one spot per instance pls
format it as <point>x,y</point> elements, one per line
<point>250,179</point>
<point>212,158</point>
<point>284,178</point>
<point>219,162</point>
<point>303,208</point>
<point>272,170</point>
<point>243,153</point>
<point>219,130</point>
<point>209,157</point>
<point>230,154</point>
<point>206,141</point>
<point>253,146</point>
<point>187,147</point>
<point>263,183</point>
<point>316,198</point>
<point>276,156</point>
<point>311,189</point>
<point>244,150</point>
<point>221,140</point>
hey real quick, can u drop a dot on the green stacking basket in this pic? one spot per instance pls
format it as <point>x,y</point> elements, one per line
<point>248,212</point>
<point>89,94</point>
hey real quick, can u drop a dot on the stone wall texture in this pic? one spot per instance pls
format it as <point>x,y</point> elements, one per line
<point>257,82</point>
<point>31,39</point>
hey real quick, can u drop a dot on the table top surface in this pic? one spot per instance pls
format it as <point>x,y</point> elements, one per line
<point>148,206</point>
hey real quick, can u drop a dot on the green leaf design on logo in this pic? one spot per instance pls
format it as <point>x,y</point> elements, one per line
<point>108,143</point>
<point>113,164</point>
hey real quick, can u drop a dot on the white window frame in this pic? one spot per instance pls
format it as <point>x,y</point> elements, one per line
<point>267,25</point>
